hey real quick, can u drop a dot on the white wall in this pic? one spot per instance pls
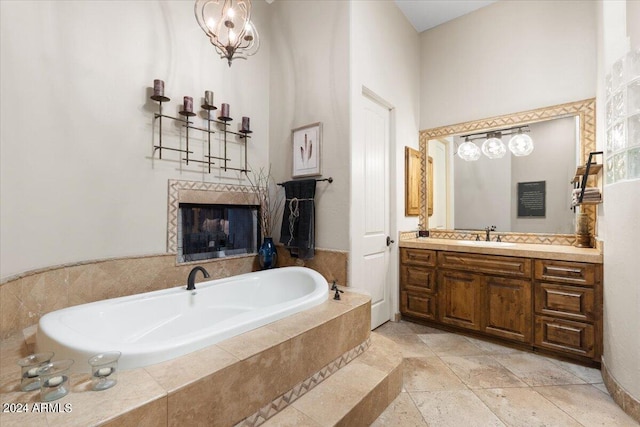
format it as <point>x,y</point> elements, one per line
<point>77,181</point>
<point>618,215</point>
<point>385,62</point>
<point>507,57</point>
<point>309,83</point>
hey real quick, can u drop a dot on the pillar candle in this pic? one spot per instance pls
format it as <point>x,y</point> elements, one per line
<point>208,98</point>
<point>225,110</point>
<point>158,88</point>
<point>188,104</point>
<point>245,124</point>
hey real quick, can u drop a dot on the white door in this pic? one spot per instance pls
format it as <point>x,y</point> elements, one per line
<point>370,220</point>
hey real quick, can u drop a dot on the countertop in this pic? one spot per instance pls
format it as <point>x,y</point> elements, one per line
<point>528,250</point>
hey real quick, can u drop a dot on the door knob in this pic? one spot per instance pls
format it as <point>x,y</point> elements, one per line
<point>389,241</point>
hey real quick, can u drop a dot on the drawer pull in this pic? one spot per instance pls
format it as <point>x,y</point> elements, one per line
<point>563,270</point>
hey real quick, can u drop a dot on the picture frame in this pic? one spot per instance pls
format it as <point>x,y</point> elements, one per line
<point>307,150</point>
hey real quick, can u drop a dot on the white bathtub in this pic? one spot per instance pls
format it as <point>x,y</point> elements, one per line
<point>157,326</point>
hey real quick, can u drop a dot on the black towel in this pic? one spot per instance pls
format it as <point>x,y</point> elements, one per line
<point>298,222</point>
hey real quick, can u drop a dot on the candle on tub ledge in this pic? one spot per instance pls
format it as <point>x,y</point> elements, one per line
<point>103,372</point>
<point>55,381</point>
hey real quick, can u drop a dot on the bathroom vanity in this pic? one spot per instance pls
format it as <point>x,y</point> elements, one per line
<point>542,297</point>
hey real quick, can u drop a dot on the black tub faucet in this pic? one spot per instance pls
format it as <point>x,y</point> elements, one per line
<point>488,230</point>
<point>191,280</point>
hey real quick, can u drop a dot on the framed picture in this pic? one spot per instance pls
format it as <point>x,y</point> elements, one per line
<point>307,142</point>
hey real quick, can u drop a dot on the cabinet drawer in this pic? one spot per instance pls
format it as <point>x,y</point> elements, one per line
<point>502,265</point>
<point>417,278</point>
<point>564,335</point>
<point>420,257</point>
<point>572,302</point>
<point>418,305</point>
<point>577,273</point>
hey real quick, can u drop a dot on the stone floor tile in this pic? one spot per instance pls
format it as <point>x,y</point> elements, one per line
<point>588,375</point>
<point>411,346</point>
<point>587,404</point>
<point>429,374</point>
<point>523,407</point>
<point>394,328</point>
<point>456,408</point>
<point>536,370</point>
<point>481,372</point>
<point>450,345</point>
<point>402,412</point>
<point>492,348</point>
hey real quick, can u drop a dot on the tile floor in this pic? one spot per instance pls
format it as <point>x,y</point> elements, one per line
<point>453,380</point>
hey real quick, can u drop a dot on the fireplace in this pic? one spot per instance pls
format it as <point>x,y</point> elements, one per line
<point>208,220</point>
<point>213,231</point>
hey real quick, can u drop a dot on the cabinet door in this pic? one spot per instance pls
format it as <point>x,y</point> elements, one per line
<point>459,299</point>
<point>418,305</point>
<point>507,308</point>
<point>417,278</point>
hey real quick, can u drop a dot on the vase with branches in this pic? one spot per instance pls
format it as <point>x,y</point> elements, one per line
<point>264,188</point>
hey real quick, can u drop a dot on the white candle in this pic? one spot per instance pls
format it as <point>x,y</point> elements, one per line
<point>33,372</point>
<point>55,381</point>
<point>104,372</point>
<point>208,97</point>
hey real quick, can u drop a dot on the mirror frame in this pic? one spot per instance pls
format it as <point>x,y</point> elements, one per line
<point>585,109</point>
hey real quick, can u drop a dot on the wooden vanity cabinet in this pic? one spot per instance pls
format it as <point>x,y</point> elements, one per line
<point>486,293</point>
<point>546,304</point>
<point>568,307</point>
<point>418,283</point>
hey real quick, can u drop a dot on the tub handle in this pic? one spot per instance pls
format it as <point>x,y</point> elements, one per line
<point>338,291</point>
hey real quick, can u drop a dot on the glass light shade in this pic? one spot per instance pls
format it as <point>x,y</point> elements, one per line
<point>494,148</point>
<point>521,144</point>
<point>469,151</point>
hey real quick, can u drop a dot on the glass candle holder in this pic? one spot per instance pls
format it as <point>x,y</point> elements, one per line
<point>54,380</point>
<point>29,379</point>
<point>104,370</point>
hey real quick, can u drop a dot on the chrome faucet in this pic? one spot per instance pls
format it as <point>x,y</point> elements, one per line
<point>191,285</point>
<point>488,230</point>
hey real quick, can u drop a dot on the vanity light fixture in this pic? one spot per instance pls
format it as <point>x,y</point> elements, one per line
<point>520,144</point>
<point>493,147</point>
<point>228,25</point>
<point>469,151</point>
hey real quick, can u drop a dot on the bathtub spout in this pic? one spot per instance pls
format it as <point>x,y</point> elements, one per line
<point>191,280</point>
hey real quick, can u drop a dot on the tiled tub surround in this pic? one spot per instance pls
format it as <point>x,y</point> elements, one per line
<point>26,298</point>
<point>220,385</point>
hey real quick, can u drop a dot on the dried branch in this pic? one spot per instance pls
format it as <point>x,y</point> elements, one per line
<point>265,189</point>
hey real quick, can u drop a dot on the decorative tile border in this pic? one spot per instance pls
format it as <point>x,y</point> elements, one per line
<point>585,109</point>
<point>302,388</point>
<point>534,238</point>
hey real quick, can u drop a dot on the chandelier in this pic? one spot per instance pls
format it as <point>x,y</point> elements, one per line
<point>228,25</point>
<point>520,144</point>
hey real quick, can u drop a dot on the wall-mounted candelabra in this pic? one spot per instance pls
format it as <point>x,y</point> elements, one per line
<point>223,121</point>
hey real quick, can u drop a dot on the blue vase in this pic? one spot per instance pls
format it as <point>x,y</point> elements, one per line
<point>267,255</point>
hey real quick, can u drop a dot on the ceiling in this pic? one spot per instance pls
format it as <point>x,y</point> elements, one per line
<point>425,14</point>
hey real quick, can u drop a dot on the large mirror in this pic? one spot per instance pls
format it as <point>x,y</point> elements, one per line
<point>470,195</point>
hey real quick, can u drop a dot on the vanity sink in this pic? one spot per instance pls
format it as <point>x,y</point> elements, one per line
<point>485,244</point>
